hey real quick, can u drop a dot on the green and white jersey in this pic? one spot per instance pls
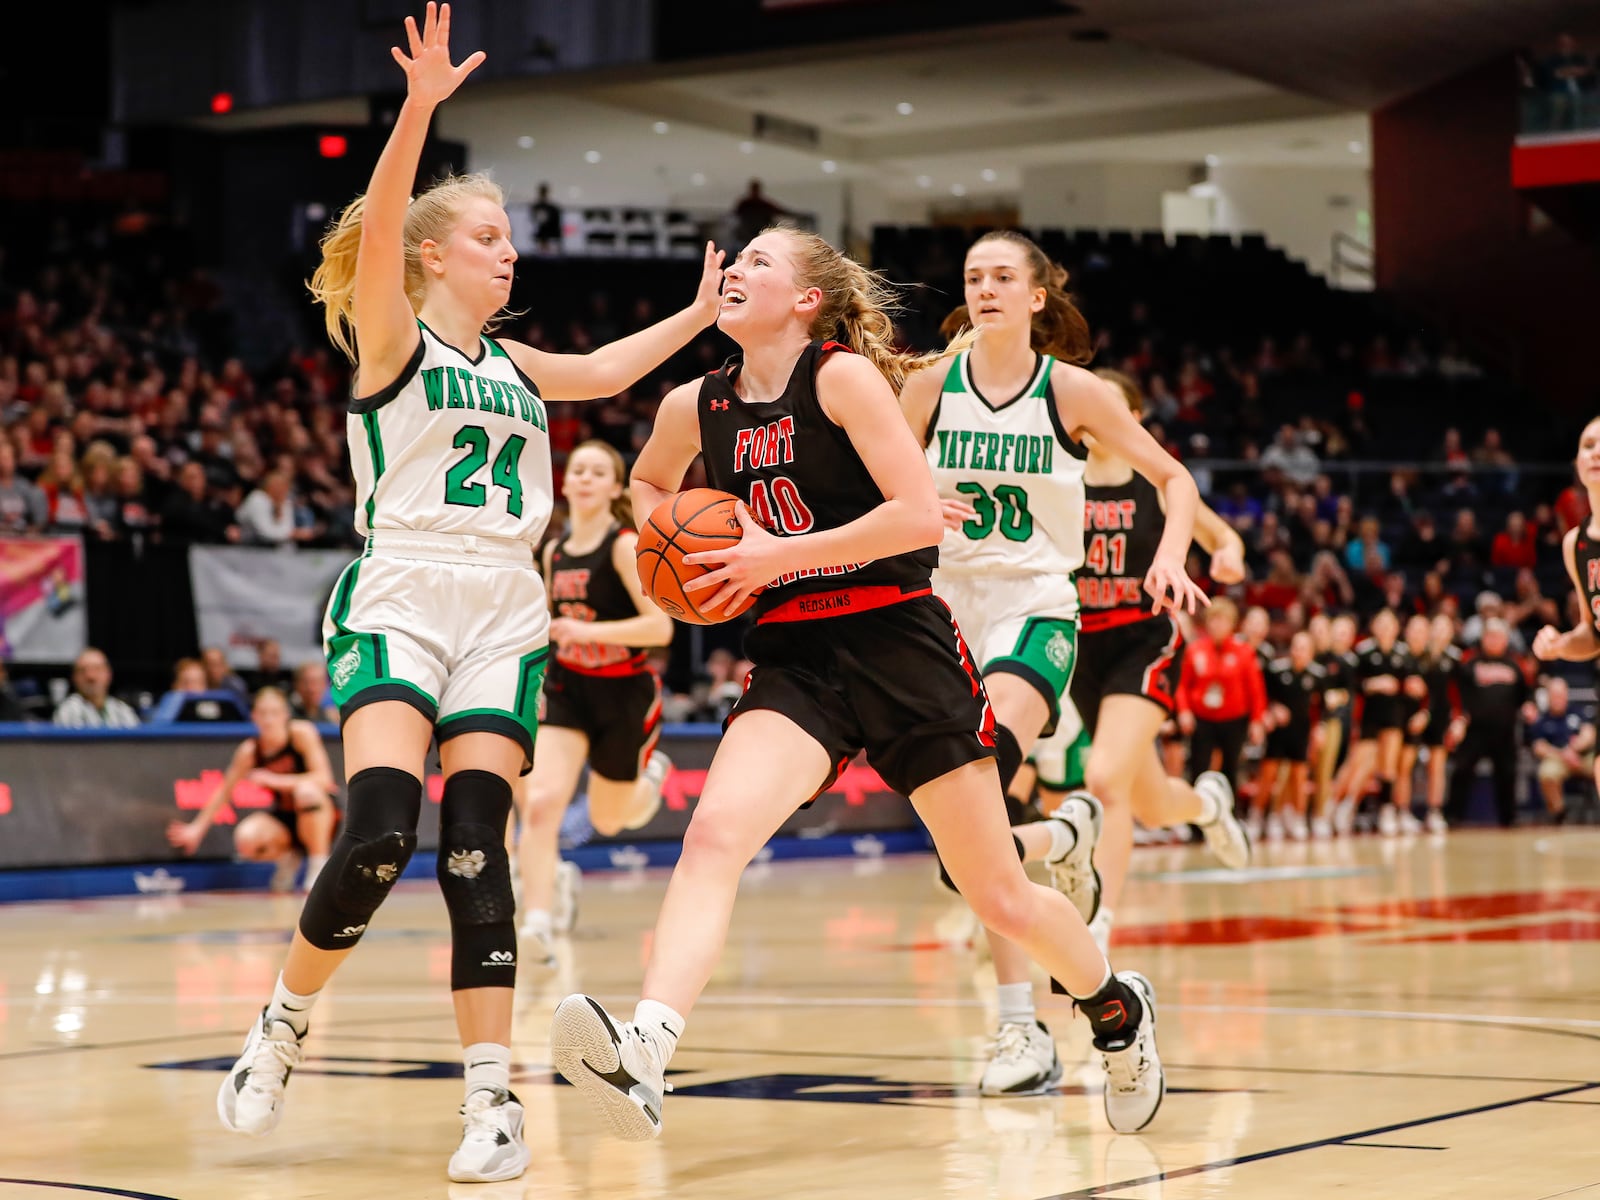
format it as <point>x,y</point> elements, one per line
<point>455,445</point>
<point>1015,464</point>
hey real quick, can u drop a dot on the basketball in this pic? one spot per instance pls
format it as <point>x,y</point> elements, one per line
<point>692,521</point>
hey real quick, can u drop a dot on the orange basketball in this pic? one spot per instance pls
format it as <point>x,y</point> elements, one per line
<point>692,521</point>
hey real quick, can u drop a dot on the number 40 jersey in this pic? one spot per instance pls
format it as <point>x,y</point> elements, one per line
<point>1012,461</point>
<point>457,444</point>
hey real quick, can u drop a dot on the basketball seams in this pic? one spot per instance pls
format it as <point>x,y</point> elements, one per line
<point>668,549</point>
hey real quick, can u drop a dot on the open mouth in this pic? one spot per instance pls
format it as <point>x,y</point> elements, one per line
<point>732,298</point>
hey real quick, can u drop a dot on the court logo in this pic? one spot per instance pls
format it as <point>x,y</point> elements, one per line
<point>346,666</point>
<point>1059,651</point>
<point>466,864</point>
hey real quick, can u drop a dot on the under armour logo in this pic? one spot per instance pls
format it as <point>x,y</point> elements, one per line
<point>719,405</point>
<point>501,958</point>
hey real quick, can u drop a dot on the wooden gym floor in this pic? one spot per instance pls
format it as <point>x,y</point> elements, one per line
<point>1411,1019</point>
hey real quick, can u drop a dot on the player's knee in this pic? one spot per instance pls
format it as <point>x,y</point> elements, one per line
<point>367,858</point>
<point>474,874</point>
<point>1003,903</point>
<point>309,796</point>
<point>1105,781</point>
<point>709,840</point>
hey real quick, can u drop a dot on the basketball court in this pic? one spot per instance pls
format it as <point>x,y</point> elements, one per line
<point>1356,1019</point>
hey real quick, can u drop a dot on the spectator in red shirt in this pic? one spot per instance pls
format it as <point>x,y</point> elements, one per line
<point>1221,693</point>
<point>1516,545</point>
<point>1572,507</point>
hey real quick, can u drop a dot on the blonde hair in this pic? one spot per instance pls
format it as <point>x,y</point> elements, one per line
<point>1127,386</point>
<point>1059,329</point>
<point>855,306</point>
<point>430,217</point>
<point>622,506</point>
<point>1222,606</point>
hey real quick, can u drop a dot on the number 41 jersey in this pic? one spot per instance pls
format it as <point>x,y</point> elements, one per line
<point>1017,467</point>
<point>456,444</point>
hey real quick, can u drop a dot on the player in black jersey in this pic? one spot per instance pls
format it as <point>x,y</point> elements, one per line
<point>287,758</point>
<point>1128,662</point>
<point>1335,641</point>
<point>602,702</point>
<point>1432,702</point>
<point>1254,627</point>
<point>851,652</point>
<point>1294,692</point>
<point>1382,669</point>
<point>1580,552</point>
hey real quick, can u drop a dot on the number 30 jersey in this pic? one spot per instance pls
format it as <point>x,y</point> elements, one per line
<point>1017,467</point>
<point>456,444</point>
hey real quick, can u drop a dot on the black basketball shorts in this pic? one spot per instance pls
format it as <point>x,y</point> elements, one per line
<point>897,681</point>
<point>1141,658</point>
<point>619,714</point>
<point>1291,742</point>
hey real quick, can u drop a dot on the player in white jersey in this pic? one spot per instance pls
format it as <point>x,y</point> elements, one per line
<point>440,627</point>
<point>1004,429</point>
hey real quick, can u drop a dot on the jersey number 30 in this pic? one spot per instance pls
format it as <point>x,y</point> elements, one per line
<point>1009,505</point>
<point>458,488</point>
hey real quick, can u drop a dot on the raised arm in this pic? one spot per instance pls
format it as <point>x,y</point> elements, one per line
<point>674,441</point>
<point>386,327</point>
<point>610,368</point>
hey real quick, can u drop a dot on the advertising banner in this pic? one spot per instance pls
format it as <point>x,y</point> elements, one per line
<point>93,797</point>
<point>245,594</point>
<point>43,611</point>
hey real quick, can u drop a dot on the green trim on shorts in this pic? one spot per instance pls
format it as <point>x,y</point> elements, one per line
<point>358,661</point>
<point>1048,648</point>
<point>530,686</point>
<point>1074,763</point>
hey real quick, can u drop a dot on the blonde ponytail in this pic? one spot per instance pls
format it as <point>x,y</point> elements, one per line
<point>430,217</point>
<point>855,306</point>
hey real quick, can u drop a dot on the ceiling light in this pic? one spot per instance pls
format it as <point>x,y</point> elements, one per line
<point>525,142</point>
<point>661,127</point>
<point>1356,147</point>
<point>988,175</point>
<point>905,108</point>
<point>1212,160</point>
<point>591,156</point>
<point>924,181</point>
<point>958,189</point>
<point>747,147</point>
<point>829,166</point>
<point>697,179</point>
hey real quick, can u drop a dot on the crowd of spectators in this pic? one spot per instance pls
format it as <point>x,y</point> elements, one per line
<point>1560,88</point>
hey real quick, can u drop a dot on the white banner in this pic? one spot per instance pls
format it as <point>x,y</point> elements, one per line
<point>42,610</point>
<point>245,594</point>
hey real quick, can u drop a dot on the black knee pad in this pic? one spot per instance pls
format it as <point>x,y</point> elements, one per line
<point>475,876</point>
<point>369,855</point>
<point>1008,755</point>
<point>944,875</point>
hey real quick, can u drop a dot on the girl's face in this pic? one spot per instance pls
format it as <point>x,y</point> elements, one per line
<point>1220,625</point>
<point>1385,627</point>
<point>271,714</point>
<point>1344,634</point>
<point>1417,634</point>
<point>1301,650</point>
<point>761,290</point>
<point>998,287</point>
<point>1589,455</point>
<point>475,263</point>
<point>1442,632</point>
<point>591,481</point>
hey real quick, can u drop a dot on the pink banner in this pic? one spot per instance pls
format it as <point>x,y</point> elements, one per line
<point>43,615</point>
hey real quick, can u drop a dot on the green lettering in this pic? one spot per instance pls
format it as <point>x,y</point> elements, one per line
<point>1033,455</point>
<point>994,450</point>
<point>454,400</point>
<point>944,448</point>
<point>1008,442</point>
<point>501,401</point>
<point>538,413</point>
<point>524,409</point>
<point>433,388</point>
<point>980,444</point>
<point>1047,454</point>
<point>966,438</point>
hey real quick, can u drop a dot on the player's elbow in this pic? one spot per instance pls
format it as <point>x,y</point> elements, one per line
<point>660,631</point>
<point>926,521</point>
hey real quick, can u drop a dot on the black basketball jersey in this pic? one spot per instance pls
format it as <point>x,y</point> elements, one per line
<point>285,760</point>
<point>1374,662</point>
<point>1294,688</point>
<point>1338,671</point>
<point>586,587</point>
<point>1122,526</point>
<point>1442,673</point>
<point>798,472</point>
<point>1586,560</point>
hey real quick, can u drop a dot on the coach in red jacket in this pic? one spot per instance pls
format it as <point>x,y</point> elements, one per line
<point>1221,694</point>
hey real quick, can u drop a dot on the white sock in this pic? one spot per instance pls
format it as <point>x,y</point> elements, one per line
<point>1016,1003</point>
<point>488,1065</point>
<point>537,921</point>
<point>1210,808</point>
<point>1101,986</point>
<point>661,1024</point>
<point>314,865</point>
<point>1063,840</point>
<point>293,1009</point>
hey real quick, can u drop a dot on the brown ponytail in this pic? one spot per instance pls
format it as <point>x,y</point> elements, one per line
<point>1127,386</point>
<point>855,306</point>
<point>431,215</point>
<point>1059,329</point>
<point>622,506</point>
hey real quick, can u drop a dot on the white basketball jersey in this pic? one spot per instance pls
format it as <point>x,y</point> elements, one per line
<point>455,445</point>
<point>1014,464</point>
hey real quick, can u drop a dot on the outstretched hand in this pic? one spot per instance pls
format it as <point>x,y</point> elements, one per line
<point>708,299</point>
<point>430,77</point>
<point>1171,589</point>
